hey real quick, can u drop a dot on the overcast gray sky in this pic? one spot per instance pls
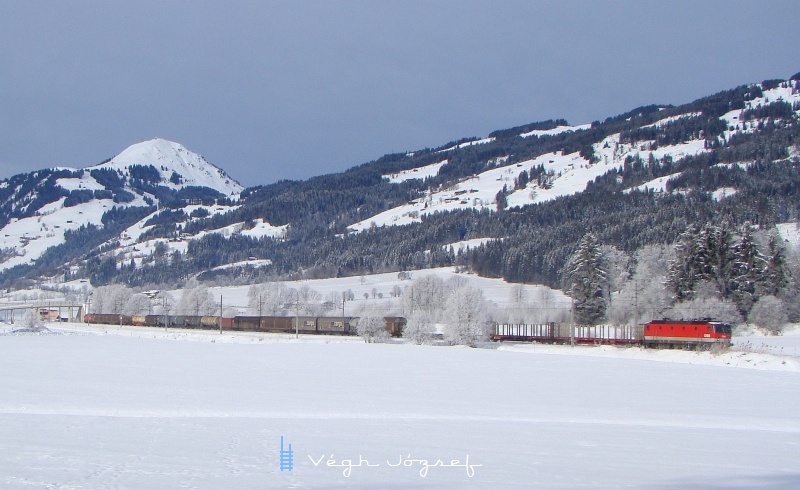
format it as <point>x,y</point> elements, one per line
<point>273,90</point>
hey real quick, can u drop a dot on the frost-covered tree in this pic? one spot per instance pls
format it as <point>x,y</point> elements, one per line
<point>164,303</point>
<point>617,265</point>
<point>465,316</point>
<point>545,308</point>
<point>137,304</point>
<point>335,298</point>
<point>371,325</point>
<point>310,300</point>
<point>279,297</point>
<point>419,328</point>
<point>791,291</point>
<point>587,280</point>
<point>268,298</point>
<point>29,320</point>
<point>715,308</point>
<point>768,312</point>
<point>197,301</point>
<point>428,294</point>
<point>110,299</point>
<point>649,293</point>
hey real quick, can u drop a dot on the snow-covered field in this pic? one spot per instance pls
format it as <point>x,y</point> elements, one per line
<point>110,407</point>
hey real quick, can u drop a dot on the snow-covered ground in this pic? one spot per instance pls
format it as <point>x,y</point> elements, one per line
<point>420,173</point>
<point>134,408</point>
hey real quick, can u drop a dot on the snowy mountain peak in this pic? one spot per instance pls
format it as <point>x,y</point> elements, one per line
<point>169,157</point>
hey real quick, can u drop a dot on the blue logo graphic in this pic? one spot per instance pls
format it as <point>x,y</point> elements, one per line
<point>287,458</point>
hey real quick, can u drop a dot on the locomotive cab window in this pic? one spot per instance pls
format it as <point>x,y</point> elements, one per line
<point>722,328</point>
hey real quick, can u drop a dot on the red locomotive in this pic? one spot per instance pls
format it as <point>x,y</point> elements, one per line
<point>680,333</point>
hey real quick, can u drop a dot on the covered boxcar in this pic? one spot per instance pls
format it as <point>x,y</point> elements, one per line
<point>111,319</point>
<point>307,324</point>
<point>334,325</point>
<point>276,324</point>
<point>154,320</point>
<point>250,323</point>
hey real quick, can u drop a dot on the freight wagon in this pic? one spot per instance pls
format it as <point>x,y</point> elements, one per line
<point>657,333</point>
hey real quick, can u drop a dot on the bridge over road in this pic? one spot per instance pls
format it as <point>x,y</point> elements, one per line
<point>47,311</point>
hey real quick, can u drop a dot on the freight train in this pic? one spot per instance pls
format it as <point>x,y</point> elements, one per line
<point>339,325</point>
<point>657,333</point>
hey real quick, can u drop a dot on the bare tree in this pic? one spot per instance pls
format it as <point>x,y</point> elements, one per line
<point>257,298</point>
<point>519,307</point>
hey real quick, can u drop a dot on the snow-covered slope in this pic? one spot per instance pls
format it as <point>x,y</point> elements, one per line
<point>565,174</point>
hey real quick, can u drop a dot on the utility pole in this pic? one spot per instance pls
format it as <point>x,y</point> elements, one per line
<point>166,314</point>
<point>220,314</point>
<point>297,317</point>
<point>635,305</point>
<point>572,322</point>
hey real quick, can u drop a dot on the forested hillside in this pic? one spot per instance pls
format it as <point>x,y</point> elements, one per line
<point>649,175</point>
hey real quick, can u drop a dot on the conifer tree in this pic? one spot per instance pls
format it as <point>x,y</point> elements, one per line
<point>747,271</point>
<point>588,281</point>
<point>701,255</point>
<point>774,275</point>
<point>682,276</point>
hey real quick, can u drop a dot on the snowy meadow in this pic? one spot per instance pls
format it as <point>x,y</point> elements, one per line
<point>131,407</point>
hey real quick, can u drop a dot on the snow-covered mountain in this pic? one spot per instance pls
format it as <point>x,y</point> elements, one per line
<point>40,207</point>
<point>169,157</point>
